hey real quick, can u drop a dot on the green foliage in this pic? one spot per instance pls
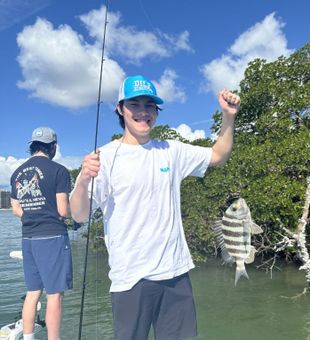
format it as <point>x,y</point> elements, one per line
<point>271,157</point>
<point>74,173</point>
<point>117,136</point>
<point>96,232</point>
<point>276,158</point>
<point>164,132</point>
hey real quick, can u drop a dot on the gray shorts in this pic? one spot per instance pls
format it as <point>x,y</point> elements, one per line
<point>167,305</point>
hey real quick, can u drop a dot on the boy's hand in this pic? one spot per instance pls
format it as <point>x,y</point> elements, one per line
<point>229,102</point>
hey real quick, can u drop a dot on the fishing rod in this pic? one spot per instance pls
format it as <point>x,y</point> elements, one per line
<point>92,181</point>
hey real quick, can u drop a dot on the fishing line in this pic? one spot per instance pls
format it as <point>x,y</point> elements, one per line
<point>147,17</point>
<point>92,181</point>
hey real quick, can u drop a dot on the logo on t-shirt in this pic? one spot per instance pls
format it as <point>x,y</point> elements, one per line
<point>28,189</point>
<point>166,169</point>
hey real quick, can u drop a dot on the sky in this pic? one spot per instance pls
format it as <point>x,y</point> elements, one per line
<point>51,55</point>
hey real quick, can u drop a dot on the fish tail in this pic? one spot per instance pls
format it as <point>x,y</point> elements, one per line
<point>240,272</point>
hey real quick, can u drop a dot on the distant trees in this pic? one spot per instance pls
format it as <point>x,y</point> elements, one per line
<point>270,162</point>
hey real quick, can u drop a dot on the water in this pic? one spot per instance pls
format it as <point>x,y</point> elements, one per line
<point>256,309</point>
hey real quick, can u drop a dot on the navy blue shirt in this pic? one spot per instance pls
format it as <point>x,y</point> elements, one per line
<point>35,185</point>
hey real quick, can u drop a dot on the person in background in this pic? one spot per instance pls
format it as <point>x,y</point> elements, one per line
<point>40,197</point>
<point>137,185</point>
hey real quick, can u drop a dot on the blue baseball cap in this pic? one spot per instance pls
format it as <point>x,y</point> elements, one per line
<point>138,86</point>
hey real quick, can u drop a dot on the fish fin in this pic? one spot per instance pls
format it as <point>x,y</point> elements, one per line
<point>217,228</point>
<point>220,243</point>
<point>255,229</point>
<point>251,256</point>
<point>225,256</point>
<point>239,274</point>
<point>217,225</point>
<point>240,271</point>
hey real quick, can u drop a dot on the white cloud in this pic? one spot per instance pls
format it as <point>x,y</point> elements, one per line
<point>264,40</point>
<point>168,89</point>
<point>130,43</point>
<point>10,164</point>
<point>70,162</point>
<point>61,68</point>
<point>213,136</point>
<point>186,132</point>
<point>180,42</point>
<point>7,167</point>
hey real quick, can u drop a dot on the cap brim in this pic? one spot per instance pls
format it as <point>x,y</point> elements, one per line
<point>156,99</point>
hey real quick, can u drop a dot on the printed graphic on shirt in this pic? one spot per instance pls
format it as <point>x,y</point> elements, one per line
<point>166,169</point>
<point>28,189</point>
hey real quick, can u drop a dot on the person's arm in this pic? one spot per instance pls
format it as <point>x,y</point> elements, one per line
<point>16,208</point>
<point>63,206</point>
<point>222,148</point>
<point>79,200</point>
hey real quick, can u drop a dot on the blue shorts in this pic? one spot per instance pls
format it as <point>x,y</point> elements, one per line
<point>47,263</point>
<point>167,305</point>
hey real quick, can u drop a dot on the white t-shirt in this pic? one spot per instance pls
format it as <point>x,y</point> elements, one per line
<point>138,190</point>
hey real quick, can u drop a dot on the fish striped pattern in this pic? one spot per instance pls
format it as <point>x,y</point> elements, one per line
<point>236,236</point>
<point>219,239</point>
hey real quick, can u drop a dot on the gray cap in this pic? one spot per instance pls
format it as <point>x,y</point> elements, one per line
<point>44,135</point>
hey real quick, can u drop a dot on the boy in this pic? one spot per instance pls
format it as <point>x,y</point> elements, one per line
<point>39,196</point>
<point>137,185</point>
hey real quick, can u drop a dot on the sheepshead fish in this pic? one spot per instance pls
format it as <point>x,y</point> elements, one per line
<point>233,236</point>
